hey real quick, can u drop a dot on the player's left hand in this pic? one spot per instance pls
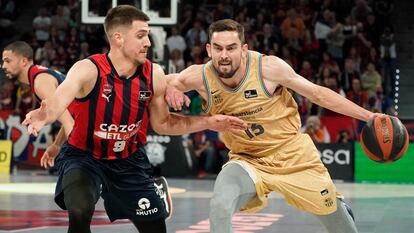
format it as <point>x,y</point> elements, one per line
<point>175,98</point>
<point>36,119</point>
<point>226,123</point>
<point>48,158</point>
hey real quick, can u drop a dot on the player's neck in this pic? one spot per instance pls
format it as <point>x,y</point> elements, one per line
<point>123,66</point>
<point>24,75</point>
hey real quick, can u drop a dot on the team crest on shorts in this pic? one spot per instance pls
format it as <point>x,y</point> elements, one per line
<point>329,202</point>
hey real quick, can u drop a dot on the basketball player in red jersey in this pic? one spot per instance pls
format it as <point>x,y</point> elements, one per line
<point>117,94</point>
<point>18,64</point>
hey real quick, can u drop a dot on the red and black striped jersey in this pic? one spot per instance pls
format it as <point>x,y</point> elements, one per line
<point>35,70</point>
<point>111,121</point>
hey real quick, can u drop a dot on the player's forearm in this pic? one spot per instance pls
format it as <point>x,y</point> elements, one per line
<point>60,137</point>
<point>177,124</point>
<point>173,81</point>
<point>56,106</point>
<point>331,100</point>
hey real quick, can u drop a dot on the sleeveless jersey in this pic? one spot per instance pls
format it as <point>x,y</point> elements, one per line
<point>35,70</point>
<point>272,118</point>
<point>111,121</point>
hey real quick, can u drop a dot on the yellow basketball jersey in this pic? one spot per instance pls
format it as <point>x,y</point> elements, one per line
<point>272,118</point>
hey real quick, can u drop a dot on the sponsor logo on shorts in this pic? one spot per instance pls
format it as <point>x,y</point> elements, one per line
<point>329,202</point>
<point>144,207</point>
<point>324,192</point>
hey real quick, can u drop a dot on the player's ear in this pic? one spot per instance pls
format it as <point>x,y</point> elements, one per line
<point>245,50</point>
<point>208,48</point>
<point>118,38</point>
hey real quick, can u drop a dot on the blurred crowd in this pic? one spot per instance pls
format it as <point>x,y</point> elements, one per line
<point>345,45</point>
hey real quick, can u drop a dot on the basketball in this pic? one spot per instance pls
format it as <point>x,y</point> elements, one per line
<point>384,139</point>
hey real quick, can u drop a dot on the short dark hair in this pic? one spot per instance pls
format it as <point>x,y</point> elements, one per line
<point>123,15</point>
<point>226,25</point>
<point>22,48</point>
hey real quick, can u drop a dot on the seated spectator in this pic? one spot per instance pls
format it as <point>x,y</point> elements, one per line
<point>343,136</point>
<point>357,95</point>
<point>292,26</point>
<point>349,74</point>
<point>314,129</point>
<point>381,103</point>
<point>204,147</point>
<point>307,71</point>
<point>176,62</point>
<point>370,80</point>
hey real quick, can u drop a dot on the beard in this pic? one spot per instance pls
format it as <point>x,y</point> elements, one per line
<point>228,74</point>
<point>11,76</point>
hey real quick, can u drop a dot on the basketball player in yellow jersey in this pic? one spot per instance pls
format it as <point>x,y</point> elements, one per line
<point>271,155</point>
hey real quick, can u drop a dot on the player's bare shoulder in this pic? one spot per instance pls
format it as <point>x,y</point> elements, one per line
<point>276,70</point>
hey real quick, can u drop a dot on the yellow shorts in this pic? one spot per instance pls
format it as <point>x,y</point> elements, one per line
<point>297,173</point>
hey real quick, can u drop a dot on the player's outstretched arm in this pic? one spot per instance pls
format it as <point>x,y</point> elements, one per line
<point>277,71</point>
<point>79,80</point>
<point>164,122</point>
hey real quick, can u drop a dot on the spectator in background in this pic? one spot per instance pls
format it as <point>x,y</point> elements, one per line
<point>355,57</point>
<point>328,62</point>
<point>175,63</point>
<point>196,35</point>
<point>84,51</point>
<point>348,75</point>
<point>357,95</point>
<point>60,21</point>
<point>292,26</point>
<point>45,55</point>
<point>41,25</point>
<point>7,96</point>
<point>349,30</point>
<point>360,10</point>
<point>310,47</point>
<point>343,136</point>
<point>370,80</point>
<point>203,143</point>
<point>267,39</point>
<point>317,133</point>
<point>61,61</point>
<point>335,41</point>
<point>176,41</point>
<point>388,57</point>
<point>382,103</point>
<point>307,71</point>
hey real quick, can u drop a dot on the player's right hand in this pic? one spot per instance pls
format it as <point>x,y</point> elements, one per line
<point>175,98</point>
<point>48,158</point>
<point>36,119</point>
<point>225,123</point>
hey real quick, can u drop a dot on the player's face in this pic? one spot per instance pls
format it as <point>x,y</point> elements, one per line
<point>137,42</point>
<point>226,52</point>
<point>12,64</point>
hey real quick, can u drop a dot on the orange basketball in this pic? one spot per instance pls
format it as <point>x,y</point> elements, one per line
<point>384,139</point>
